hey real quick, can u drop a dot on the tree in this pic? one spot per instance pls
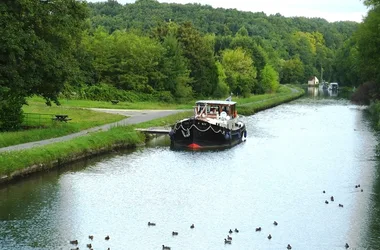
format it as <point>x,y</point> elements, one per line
<point>174,68</point>
<point>200,53</point>
<point>372,2</point>
<point>269,80</point>
<point>222,88</point>
<point>368,37</point>
<point>292,71</point>
<point>239,70</point>
<point>36,54</point>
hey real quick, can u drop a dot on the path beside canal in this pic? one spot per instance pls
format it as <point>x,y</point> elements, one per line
<point>134,117</point>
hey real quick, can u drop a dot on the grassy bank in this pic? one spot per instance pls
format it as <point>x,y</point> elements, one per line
<point>40,118</point>
<point>18,163</point>
<point>254,104</point>
<point>120,105</point>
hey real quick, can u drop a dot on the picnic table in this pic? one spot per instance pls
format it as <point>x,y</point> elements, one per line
<point>61,118</point>
<point>115,101</point>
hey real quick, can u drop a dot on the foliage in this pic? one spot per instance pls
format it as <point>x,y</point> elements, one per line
<point>368,39</point>
<point>239,70</point>
<point>269,80</point>
<point>37,45</point>
<point>292,71</point>
<point>222,88</point>
<point>365,93</point>
<point>199,53</point>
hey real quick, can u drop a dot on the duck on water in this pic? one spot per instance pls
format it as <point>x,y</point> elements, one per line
<point>215,125</point>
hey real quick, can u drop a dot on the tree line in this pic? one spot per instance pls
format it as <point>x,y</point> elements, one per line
<point>158,51</point>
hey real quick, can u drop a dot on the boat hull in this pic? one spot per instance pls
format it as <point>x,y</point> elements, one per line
<point>194,134</point>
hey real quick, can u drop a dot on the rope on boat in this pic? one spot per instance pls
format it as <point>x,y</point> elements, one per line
<point>186,131</point>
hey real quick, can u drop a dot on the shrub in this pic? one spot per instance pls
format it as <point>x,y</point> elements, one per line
<point>365,93</point>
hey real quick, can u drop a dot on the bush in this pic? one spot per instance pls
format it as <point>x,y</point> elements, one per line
<point>11,115</point>
<point>365,93</point>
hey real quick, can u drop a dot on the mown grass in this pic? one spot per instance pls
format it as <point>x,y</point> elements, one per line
<point>257,103</point>
<point>48,128</point>
<point>65,151</point>
<point>121,105</point>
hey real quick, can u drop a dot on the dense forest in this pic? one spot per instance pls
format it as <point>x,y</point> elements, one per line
<point>172,52</point>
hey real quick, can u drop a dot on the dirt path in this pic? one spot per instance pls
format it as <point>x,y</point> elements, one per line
<point>134,117</point>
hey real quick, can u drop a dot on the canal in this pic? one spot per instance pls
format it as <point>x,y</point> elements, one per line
<point>294,152</point>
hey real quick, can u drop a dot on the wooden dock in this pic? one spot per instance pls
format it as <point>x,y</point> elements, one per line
<point>156,130</point>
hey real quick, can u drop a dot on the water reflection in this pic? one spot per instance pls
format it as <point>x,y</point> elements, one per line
<point>294,151</point>
<point>321,92</point>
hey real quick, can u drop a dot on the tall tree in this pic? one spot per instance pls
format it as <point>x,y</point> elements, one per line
<point>368,38</point>
<point>239,70</point>
<point>200,53</point>
<point>269,82</point>
<point>36,49</point>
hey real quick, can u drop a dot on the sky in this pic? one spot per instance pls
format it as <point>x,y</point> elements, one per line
<point>331,10</point>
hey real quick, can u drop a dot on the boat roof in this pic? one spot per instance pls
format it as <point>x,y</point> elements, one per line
<point>216,102</point>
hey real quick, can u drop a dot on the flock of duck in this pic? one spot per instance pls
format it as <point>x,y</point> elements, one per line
<point>89,246</point>
<point>341,205</point>
<point>227,240</point>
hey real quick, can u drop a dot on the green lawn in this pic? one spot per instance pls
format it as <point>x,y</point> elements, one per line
<point>121,105</point>
<point>39,117</point>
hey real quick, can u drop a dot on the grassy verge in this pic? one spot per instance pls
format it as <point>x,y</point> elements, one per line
<point>120,105</point>
<point>38,114</point>
<point>16,163</point>
<point>262,102</point>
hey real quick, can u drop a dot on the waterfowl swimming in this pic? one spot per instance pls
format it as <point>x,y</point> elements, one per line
<point>230,231</point>
<point>332,198</point>
<point>89,245</point>
<point>74,242</point>
<point>346,246</point>
<point>174,233</point>
<point>326,202</point>
<point>361,190</point>
<point>356,186</point>
<point>289,246</point>
<point>269,236</point>
<point>340,205</point>
<point>165,247</point>
<point>229,237</point>
<point>151,224</point>
<point>324,191</point>
<point>227,241</point>
<point>192,226</point>
<point>258,229</point>
<point>77,248</point>
<point>275,223</point>
<point>236,230</point>
<point>107,237</point>
<point>91,237</point>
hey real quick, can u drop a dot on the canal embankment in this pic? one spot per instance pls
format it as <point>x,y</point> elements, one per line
<point>16,164</point>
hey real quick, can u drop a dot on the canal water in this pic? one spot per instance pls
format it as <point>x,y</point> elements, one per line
<point>294,152</point>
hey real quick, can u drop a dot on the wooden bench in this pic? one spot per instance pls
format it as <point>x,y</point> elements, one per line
<point>115,101</point>
<point>61,118</point>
